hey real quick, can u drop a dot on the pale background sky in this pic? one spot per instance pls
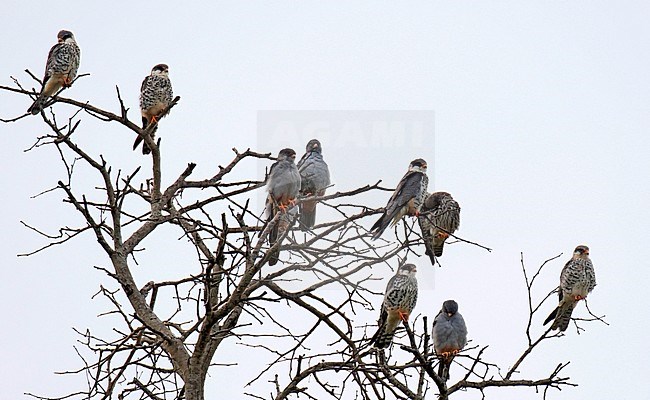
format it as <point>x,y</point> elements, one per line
<point>541,133</point>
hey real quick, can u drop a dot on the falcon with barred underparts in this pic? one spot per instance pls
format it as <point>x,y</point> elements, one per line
<point>155,98</point>
<point>577,280</point>
<point>399,301</point>
<point>60,69</point>
<point>439,218</point>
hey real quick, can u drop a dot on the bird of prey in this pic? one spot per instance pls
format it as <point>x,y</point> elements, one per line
<point>283,187</point>
<point>155,97</point>
<point>439,217</point>
<point>399,301</point>
<point>449,335</point>
<point>314,178</point>
<point>60,69</point>
<point>577,280</point>
<point>407,198</point>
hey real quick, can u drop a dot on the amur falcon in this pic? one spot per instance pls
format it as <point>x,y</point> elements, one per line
<point>577,280</point>
<point>155,97</point>
<point>407,198</point>
<point>283,186</point>
<point>449,335</point>
<point>60,69</point>
<point>314,178</point>
<point>399,301</point>
<point>439,217</point>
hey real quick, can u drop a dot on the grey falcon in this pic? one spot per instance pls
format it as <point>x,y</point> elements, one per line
<point>60,69</point>
<point>449,335</point>
<point>399,301</point>
<point>283,186</point>
<point>155,97</point>
<point>577,280</point>
<point>406,199</point>
<point>439,217</point>
<point>314,178</point>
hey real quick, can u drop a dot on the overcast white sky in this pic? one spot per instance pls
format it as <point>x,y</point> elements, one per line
<point>541,133</point>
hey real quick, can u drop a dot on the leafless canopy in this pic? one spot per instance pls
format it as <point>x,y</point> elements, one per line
<point>297,317</point>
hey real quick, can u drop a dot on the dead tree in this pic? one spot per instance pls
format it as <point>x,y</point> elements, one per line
<point>167,332</point>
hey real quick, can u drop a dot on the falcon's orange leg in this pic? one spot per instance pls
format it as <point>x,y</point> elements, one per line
<point>403,315</point>
<point>443,235</point>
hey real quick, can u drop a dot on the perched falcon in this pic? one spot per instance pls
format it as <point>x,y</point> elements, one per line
<point>407,198</point>
<point>577,280</point>
<point>449,335</point>
<point>314,178</point>
<point>283,187</point>
<point>399,301</point>
<point>155,96</point>
<point>60,69</point>
<point>439,217</point>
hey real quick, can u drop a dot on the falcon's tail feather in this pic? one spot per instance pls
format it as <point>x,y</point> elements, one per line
<point>384,337</point>
<point>307,215</point>
<point>283,225</point>
<point>274,255</point>
<point>563,315</point>
<point>430,253</point>
<point>145,149</point>
<point>427,238</point>
<point>443,369</point>
<point>36,107</point>
<point>438,244</point>
<point>551,316</point>
<point>380,226</point>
